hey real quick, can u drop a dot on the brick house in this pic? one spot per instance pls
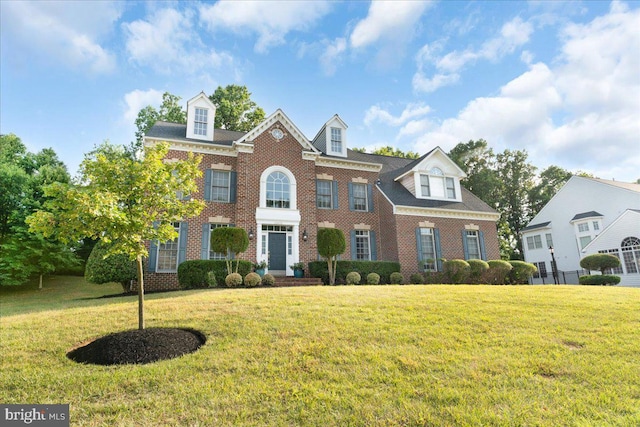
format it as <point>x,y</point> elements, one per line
<point>282,187</point>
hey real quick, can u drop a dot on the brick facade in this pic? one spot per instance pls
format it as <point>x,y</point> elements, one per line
<point>395,237</point>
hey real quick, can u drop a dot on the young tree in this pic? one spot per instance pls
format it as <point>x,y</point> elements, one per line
<point>331,243</point>
<point>235,110</point>
<point>123,201</point>
<point>230,241</point>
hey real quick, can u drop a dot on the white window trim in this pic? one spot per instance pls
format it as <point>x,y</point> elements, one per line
<point>158,244</point>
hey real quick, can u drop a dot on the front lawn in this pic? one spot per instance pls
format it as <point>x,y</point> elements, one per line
<point>349,355</point>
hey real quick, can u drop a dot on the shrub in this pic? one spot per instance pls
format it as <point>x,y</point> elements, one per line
<point>353,278</point>
<point>201,273</point>
<point>434,277</point>
<point>520,273</point>
<point>498,271</point>
<point>233,280</point>
<point>600,262</point>
<point>373,279</point>
<point>396,278</point>
<point>229,240</point>
<point>477,267</point>
<point>417,278</point>
<point>252,280</point>
<point>456,270</point>
<point>383,268</point>
<point>114,268</point>
<point>331,243</point>
<point>599,279</point>
<point>268,280</point>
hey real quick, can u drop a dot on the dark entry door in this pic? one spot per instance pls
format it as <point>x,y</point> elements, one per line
<point>277,251</point>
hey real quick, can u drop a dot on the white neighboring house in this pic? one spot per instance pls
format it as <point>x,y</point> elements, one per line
<point>621,239</point>
<point>582,210</point>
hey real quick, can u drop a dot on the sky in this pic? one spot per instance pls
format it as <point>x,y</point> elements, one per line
<point>560,80</point>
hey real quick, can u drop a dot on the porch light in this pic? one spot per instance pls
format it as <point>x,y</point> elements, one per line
<point>251,233</point>
<point>305,236</point>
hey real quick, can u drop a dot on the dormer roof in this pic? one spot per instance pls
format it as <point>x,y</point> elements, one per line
<point>437,155</point>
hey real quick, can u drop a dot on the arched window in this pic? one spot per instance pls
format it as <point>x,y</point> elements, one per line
<point>436,171</point>
<point>631,254</point>
<point>278,191</point>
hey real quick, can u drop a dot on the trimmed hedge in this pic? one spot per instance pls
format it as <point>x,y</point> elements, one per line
<point>233,280</point>
<point>520,273</point>
<point>456,270</point>
<point>383,268</point>
<point>498,271</point>
<point>599,279</point>
<point>195,273</point>
<point>477,268</point>
<point>416,279</point>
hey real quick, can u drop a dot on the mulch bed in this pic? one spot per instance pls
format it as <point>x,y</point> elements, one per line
<point>139,346</point>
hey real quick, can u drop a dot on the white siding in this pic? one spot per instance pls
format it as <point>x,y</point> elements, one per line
<point>577,196</point>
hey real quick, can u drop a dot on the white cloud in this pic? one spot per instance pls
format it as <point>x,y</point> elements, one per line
<point>581,112</point>
<point>389,26</point>
<point>137,99</point>
<point>513,34</point>
<point>167,42</point>
<point>331,57</point>
<point>67,33</point>
<point>377,114</point>
<point>271,21</point>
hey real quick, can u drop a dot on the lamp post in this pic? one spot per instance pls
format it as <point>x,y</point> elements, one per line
<point>554,267</point>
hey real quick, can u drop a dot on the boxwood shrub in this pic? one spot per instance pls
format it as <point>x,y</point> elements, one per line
<point>456,270</point>
<point>599,279</point>
<point>195,273</point>
<point>373,279</point>
<point>383,268</point>
<point>353,278</point>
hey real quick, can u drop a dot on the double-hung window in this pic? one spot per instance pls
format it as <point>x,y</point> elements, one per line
<point>363,247</point>
<point>534,242</point>
<point>473,245</point>
<point>359,197</point>
<point>220,186</point>
<point>336,140</point>
<point>167,258</point>
<point>324,195</point>
<point>583,227</point>
<point>451,188</point>
<point>428,249</point>
<point>200,122</point>
<point>424,186</point>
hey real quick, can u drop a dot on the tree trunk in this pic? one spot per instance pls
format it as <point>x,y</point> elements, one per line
<point>140,294</point>
<point>40,286</point>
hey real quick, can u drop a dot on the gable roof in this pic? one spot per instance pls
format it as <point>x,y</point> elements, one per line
<point>278,116</point>
<point>610,227</point>
<point>416,163</point>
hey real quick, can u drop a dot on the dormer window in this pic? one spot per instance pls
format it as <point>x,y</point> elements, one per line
<point>436,185</point>
<point>336,140</point>
<point>200,121</point>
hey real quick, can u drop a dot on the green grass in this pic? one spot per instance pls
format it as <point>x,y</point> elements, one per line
<point>341,356</point>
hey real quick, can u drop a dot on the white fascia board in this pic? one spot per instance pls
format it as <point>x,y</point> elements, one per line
<point>196,147</point>
<point>335,162</point>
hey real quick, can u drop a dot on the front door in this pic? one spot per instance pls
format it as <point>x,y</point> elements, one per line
<point>278,252</point>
